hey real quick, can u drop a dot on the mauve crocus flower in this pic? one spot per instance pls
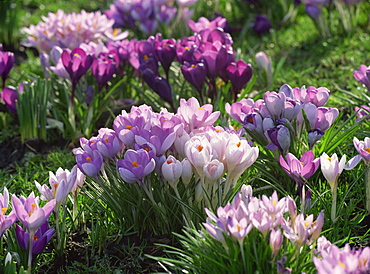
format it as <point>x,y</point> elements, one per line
<point>172,170</point>
<point>6,64</point>
<point>275,103</point>
<point>199,152</point>
<point>30,214</point>
<point>6,221</point>
<point>279,137</point>
<point>362,112</point>
<point>195,116</point>
<point>264,64</point>
<point>61,184</point>
<point>204,23</point>
<point>135,166</point>
<point>276,239</point>
<point>313,136</point>
<point>9,95</point>
<point>363,75</point>
<point>363,148</point>
<point>109,144</point>
<point>195,74</point>
<point>262,24</point>
<point>40,239</point>
<point>239,74</point>
<point>302,169</point>
<point>89,163</point>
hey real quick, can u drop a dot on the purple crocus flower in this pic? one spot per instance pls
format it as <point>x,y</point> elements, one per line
<point>261,24</point>
<point>6,64</point>
<point>103,71</point>
<point>362,112</point>
<point>40,239</point>
<point>10,97</point>
<point>363,75</point>
<point>204,23</point>
<point>135,166</point>
<point>302,169</point>
<point>30,214</point>
<point>89,163</point>
<point>165,51</point>
<point>109,144</point>
<point>239,74</point>
<point>279,137</point>
<point>77,63</point>
<point>159,85</point>
<point>195,74</point>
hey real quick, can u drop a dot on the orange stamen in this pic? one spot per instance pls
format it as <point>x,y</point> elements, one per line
<point>200,148</point>
<point>135,164</point>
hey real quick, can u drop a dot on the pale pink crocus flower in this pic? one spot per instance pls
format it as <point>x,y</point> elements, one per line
<point>172,171</point>
<point>331,168</point>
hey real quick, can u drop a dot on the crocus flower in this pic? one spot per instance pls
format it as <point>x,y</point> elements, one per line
<point>276,239</point>
<point>6,221</point>
<point>331,168</point>
<point>77,63</point>
<point>109,144</point>
<point>6,64</point>
<point>40,239</point>
<point>10,97</point>
<point>172,170</point>
<point>239,74</point>
<point>30,214</point>
<point>204,23</point>
<point>61,184</point>
<point>302,169</point>
<point>279,137</point>
<point>362,112</point>
<point>159,85</point>
<point>195,74</point>
<point>363,75</point>
<point>363,148</point>
<point>103,71</point>
<point>135,166</point>
<point>261,24</point>
<point>264,64</point>
<point>89,163</point>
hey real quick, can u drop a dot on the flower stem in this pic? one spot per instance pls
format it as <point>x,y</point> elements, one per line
<point>367,185</point>
<point>334,203</point>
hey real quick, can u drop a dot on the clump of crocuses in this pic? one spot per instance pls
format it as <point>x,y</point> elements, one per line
<point>264,230</point>
<point>70,30</point>
<point>281,118</point>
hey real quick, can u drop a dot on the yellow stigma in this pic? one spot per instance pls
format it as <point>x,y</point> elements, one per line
<point>192,66</point>
<point>134,164</point>
<point>147,149</point>
<point>76,55</point>
<point>169,162</point>
<point>3,210</point>
<point>238,144</point>
<point>128,127</point>
<point>55,189</point>
<point>302,164</point>
<point>35,238</point>
<point>200,148</point>
<point>341,264</point>
<point>115,32</point>
<point>329,159</point>
<point>106,140</point>
<point>88,159</point>
<point>367,149</point>
<point>146,57</point>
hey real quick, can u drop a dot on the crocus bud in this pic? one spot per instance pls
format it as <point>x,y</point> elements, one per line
<point>213,170</point>
<point>172,170</point>
<point>264,64</point>
<point>262,24</point>
<point>276,239</point>
<point>280,138</point>
<point>187,171</point>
